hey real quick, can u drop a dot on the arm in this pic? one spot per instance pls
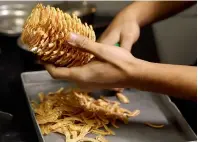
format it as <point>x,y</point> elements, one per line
<point>117,68</point>
<point>174,80</point>
<point>150,12</point>
<point>125,27</point>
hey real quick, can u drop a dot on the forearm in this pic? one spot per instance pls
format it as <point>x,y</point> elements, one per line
<point>150,12</point>
<point>174,80</point>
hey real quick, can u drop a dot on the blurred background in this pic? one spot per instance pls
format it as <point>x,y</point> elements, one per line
<point>171,41</point>
<point>182,28</point>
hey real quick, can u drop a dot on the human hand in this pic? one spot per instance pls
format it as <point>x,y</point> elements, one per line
<point>124,29</point>
<point>115,67</point>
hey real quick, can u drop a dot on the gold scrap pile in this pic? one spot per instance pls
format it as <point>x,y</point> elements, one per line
<point>45,32</point>
<point>76,114</point>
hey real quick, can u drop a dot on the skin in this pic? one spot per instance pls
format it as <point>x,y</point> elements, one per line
<point>116,68</point>
<point>125,27</point>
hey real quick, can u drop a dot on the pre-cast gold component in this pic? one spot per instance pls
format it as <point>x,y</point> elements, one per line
<point>45,32</point>
<point>76,114</point>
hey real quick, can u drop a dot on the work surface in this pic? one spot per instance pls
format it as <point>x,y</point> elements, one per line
<point>12,64</point>
<point>154,108</point>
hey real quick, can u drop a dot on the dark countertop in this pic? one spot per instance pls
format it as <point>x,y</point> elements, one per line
<point>13,63</point>
<point>11,92</point>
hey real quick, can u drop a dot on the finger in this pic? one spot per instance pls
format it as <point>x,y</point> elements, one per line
<point>126,41</point>
<point>83,43</point>
<point>99,50</point>
<point>109,38</point>
<point>74,74</point>
<point>59,72</point>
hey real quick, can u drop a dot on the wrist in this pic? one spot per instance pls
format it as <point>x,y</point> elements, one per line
<point>141,74</point>
<point>136,12</point>
<point>128,14</point>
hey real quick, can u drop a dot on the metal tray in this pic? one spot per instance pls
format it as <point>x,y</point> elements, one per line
<point>13,17</point>
<point>154,108</point>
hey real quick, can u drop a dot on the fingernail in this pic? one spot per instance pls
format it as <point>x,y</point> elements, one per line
<point>72,37</point>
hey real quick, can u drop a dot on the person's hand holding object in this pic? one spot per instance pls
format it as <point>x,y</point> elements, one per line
<point>115,67</point>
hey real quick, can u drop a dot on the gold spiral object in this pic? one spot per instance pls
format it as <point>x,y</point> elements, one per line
<point>45,32</point>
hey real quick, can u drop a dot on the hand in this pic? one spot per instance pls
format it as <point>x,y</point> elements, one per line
<point>115,66</point>
<point>124,29</point>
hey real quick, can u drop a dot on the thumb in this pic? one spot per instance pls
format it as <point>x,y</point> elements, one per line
<point>84,43</point>
<point>99,50</point>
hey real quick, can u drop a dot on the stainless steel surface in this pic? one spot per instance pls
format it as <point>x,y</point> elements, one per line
<point>12,18</point>
<point>5,120</point>
<point>78,8</point>
<point>7,115</point>
<point>154,108</point>
<point>84,10</point>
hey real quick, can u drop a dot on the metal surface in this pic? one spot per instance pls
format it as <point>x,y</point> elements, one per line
<point>12,18</point>
<point>78,8</point>
<point>85,11</point>
<point>5,120</point>
<point>5,124</point>
<point>154,108</point>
